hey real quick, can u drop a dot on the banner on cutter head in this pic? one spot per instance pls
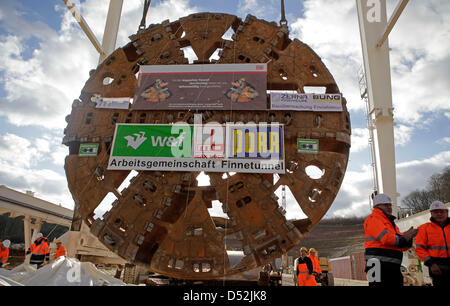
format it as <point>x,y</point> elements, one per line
<point>152,140</point>
<point>113,103</point>
<point>255,141</point>
<point>246,148</point>
<point>306,102</point>
<point>212,87</point>
<point>88,149</point>
<point>197,165</point>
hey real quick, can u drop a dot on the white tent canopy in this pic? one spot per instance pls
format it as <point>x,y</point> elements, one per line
<point>61,272</point>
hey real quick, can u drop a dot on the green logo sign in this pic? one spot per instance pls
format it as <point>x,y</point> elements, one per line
<point>88,149</point>
<point>153,140</point>
<point>308,146</point>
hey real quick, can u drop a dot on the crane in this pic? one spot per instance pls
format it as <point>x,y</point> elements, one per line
<point>375,29</point>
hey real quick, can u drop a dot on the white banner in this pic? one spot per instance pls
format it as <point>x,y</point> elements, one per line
<point>113,103</point>
<point>326,102</point>
<point>290,101</point>
<point>306,102</point>
<point>195,164</point>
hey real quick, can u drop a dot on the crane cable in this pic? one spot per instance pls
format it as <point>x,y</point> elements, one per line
<point>144,14</point>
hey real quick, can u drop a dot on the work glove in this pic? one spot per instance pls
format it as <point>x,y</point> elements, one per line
<point>410,233</point>
<point>435,270</point>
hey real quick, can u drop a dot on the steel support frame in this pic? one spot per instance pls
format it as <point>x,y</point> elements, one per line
<point>374,31</point>
<point>111,27</point>
<point>30,232</point>
<point>108,46</point>
<point>392,21</point>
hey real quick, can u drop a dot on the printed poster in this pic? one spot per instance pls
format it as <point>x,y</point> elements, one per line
<point>212,87</point>
<point>306,102</point>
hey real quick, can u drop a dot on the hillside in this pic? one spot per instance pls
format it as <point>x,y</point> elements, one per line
<point>335,237</point>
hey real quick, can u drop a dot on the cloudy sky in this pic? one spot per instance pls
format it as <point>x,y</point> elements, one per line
<point>45,59</point>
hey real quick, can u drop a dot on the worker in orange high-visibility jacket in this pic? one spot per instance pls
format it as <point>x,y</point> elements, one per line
<point>39,250</point>
<point>60,250</point>
<point>4,251</point>
<point>433,244</point>
<point>304,269</point>
<point>316,264</point>
<point>384,244</point>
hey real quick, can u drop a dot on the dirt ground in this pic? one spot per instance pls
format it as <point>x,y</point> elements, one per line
<point>16,258</point>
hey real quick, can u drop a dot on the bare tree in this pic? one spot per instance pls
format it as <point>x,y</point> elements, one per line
<point>438,189</point>
<point>439,185</point>
<point>418,200</point>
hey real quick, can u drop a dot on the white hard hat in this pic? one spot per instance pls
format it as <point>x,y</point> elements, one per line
<point>39,235</point>
<point>381,199</point>
<point>437,205</point>
<point>6,243</point>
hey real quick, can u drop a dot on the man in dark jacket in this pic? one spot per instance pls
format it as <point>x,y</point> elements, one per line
<point>39,251</point>
<point>304,269</point>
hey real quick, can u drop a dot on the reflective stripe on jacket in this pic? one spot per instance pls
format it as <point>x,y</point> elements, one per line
<point>61,251</point>
<point>305,268</point>
<point>316,264</point>
<point>39,251</point>
<point>4,254</point>
<point>41,248</point>
<point>302,270</point>
<point>383,240</point>
<point>433,242</point>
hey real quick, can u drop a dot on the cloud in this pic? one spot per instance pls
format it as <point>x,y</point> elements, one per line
<point>43,145</point>
<point>444,141</point>
<point>47,184</point>
<point>21,152</point>
<point>402,134</point>
<point>336,40</point>
<point>293,210</point>
<point>408,179</point>
<point>353,197</point>
<point>18,22</point>
<point>21,168</point>
<point>59,154</point>
<point>40,89</point>
<point>419,65</point>
<point>360,139</point>
<point>255,8</point>
<point>170,9</point>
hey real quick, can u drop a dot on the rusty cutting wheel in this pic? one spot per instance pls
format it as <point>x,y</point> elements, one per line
<point>161,220</point>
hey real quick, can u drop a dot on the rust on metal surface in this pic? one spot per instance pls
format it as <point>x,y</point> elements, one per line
<point>161,219</point>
